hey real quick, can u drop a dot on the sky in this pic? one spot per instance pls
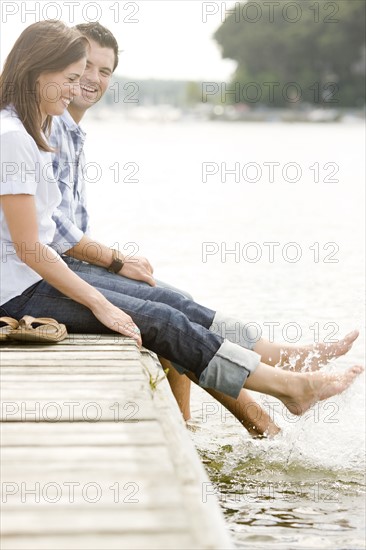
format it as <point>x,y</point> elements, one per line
<point>169,39</point>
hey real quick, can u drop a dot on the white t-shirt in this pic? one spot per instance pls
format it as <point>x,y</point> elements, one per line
<point>24,169</point>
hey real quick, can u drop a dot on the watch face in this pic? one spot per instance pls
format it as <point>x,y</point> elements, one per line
<point>116,265</point>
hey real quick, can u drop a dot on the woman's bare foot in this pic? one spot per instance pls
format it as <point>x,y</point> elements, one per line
<point>310,358</point>
<point>309,388</point>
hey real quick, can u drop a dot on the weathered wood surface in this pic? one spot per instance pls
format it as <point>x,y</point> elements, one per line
<point>92,458</point>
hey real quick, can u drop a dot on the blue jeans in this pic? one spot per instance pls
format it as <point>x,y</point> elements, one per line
<point>109,281</point>
<point>171,325</point>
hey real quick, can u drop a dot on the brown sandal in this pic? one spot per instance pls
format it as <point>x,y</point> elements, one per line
<point>9,325</point>
<point>46,330</point>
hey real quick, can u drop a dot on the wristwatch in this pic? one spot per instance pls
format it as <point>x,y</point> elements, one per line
<point>117,262</point>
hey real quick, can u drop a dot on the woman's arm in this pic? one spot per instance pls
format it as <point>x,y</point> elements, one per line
<point>21,217</point>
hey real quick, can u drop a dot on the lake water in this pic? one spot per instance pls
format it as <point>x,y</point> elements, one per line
<point>305,488</point>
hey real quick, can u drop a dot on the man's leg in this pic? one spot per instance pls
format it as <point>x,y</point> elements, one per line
<point>180,386</point>
<point>303,357</point>
<point>251,415</point>
<point>280,355</point>
<point>246,410</point>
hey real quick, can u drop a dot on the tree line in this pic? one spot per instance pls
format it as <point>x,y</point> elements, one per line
<point>288,53</point>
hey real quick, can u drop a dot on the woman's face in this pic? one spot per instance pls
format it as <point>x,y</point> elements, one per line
<point>56,90</point>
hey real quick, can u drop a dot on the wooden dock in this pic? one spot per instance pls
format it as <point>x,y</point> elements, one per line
<point>93,457</point>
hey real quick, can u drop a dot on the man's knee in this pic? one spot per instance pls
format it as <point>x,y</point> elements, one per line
<point>184,293</point>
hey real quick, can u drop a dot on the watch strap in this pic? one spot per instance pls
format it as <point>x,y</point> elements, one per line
<point>117,262</point>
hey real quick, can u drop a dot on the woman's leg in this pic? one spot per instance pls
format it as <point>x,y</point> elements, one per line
<point>164,330</point>
<point>299,391</point>
<point>217,364</point>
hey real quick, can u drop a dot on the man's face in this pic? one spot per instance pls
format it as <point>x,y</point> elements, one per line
<point>94,82</point>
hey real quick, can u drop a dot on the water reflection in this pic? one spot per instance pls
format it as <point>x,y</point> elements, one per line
<point>261,498</point>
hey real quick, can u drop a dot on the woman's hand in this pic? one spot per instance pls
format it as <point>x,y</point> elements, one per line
<point>117,320</point>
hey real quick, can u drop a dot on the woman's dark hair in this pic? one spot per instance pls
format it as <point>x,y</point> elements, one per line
<point>102,36</point>
<point>44,47</point>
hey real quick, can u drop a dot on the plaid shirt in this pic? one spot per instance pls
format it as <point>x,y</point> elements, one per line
<point>71,217</point>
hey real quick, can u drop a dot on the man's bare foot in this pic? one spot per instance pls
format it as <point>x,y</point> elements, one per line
<point>310,358</point>
<point>309,388</point>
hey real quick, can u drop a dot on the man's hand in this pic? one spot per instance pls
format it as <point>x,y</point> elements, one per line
<point>138,268</point>
<point>95,253</point>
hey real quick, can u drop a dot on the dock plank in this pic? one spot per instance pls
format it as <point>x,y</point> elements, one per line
<point>135,541</point>
<point>112,519</point>
<point>144,433</point>
<point>136,478</point>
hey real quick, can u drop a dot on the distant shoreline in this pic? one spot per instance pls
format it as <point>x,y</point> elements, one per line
<point>228,113</point>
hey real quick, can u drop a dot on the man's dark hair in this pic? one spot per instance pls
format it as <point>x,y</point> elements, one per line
<point>100,35</point>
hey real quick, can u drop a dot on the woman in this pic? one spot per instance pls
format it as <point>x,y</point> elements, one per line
<point>40,78</point>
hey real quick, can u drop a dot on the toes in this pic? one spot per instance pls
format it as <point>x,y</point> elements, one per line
<point>357,369</point>
<point>351,336</point>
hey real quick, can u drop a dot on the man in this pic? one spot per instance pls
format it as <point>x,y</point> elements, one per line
<point>73,239</point>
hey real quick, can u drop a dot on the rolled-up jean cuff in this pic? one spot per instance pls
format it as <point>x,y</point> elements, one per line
<point>238,332</point>
<point>229,368</point>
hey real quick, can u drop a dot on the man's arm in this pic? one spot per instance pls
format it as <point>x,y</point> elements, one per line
<point>93,252</point>
<point>68,231</point>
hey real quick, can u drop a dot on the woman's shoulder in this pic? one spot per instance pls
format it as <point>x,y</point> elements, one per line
<point>12,129</point>
<point>10,122</point>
